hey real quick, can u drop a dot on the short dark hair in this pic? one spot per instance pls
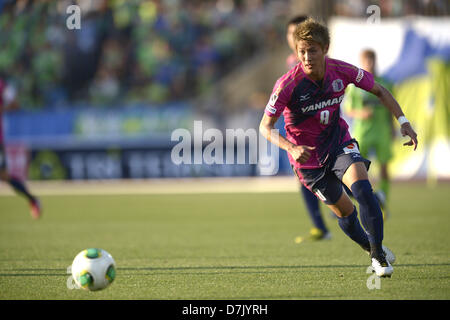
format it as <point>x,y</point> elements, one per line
<point>296,20</point>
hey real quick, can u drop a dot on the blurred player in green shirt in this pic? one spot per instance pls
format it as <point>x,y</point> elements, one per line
<point>372,125</point>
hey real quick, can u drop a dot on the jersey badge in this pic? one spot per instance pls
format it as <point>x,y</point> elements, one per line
<point>338,85</point>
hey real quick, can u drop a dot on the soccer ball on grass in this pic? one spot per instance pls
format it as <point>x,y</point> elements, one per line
<point>93,269</point>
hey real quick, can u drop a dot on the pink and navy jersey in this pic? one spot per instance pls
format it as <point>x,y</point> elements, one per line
<point>312,111</point>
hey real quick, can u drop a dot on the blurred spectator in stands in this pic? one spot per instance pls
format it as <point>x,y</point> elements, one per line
<point>82,52</point>
<point>168,50</point>
<point>105,89</point>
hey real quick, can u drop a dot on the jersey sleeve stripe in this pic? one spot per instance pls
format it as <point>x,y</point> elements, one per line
<point>343,65</point>
<point>283,85</point>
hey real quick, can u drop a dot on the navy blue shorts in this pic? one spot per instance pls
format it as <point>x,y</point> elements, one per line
<point>326,182</point>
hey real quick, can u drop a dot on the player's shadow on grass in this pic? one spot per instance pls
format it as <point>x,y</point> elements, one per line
<point>230,268</point>
<point>32,274</point>
<point>235,267</point>
<point>22,272</point>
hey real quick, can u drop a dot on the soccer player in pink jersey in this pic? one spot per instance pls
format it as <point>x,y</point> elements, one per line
<point>8,101</point>
<point>319,145</point>
<point>319,230</point>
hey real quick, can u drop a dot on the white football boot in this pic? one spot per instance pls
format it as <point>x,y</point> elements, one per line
<point>390,256</point>
<point>382,267</point>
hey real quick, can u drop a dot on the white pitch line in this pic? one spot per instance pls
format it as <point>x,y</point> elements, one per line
<point>161,186</point>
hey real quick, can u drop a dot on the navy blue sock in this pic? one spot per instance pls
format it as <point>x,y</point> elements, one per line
<point>313,208</point>
<point>20,188</point>
<point>371,215</point>
<point>352,228</point>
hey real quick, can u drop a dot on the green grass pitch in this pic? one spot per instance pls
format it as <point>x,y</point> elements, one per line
<point>220,246</point>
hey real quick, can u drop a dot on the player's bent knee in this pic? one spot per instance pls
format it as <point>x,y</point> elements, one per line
<point>357,171</point>
<point>362,191</point>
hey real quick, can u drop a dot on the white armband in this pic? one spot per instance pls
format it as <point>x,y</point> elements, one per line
<point>402,119</point>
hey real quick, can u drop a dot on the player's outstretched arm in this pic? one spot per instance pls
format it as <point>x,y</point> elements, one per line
<point>389,102</point>
<point>299,153</point>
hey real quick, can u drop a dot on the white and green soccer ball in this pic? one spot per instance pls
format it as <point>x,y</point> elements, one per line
<point>93,269</point>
